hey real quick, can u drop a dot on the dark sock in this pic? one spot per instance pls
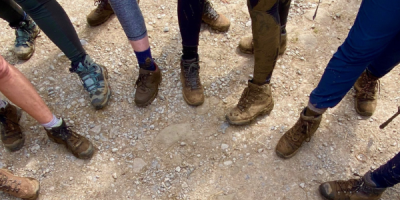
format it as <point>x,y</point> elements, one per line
<point>311,113</point>
<point>142,57</point>
<point>74,65</point>
<point>189,53</point>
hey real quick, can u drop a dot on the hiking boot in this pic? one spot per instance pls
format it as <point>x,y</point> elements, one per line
<point>256,100</point>
<point>95,80</point>
<point>354,189</point>
<point>366,87</point>
<point>11,134</point>
<point>216,21</point>
<point>246,44</point>
<point>192,90</point>
<point>77,144</point>
<point>25,35</point>
<point>147,85</point>
<point>20,187</point>
<point>101,14</point>
<point>301,132</point>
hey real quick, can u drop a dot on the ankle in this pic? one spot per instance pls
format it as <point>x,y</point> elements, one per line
<point>310,112</point>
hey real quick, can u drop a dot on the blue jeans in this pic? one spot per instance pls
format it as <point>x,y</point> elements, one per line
<point>388,174</point>
<point>373,43</point>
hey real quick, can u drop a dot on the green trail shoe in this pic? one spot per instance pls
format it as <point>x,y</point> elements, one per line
<point>192,89</point>
<point>11,134</point>
<point>366,87</point>
<point>216,21</point>
<point>95,80</point>
<point>77,144</point>
<point>301,132</point>
<point>147,86</point>
<point>101,14</point>
<point>26,33</point>
<point>20,187</point>
<point>354,189</point>
<point>246,44</point>
<point>256,100</point>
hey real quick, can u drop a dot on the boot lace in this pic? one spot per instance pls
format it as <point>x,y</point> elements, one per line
<point>9,184</point>
<point>101,4</point>
<point>303,129</point>
<point>368,88</point>
<point>248,98</point>
<point>23,34</point>
<point>191,74</point>
<point>141,82</point>
<point>209,11</point>
<point>66,134</point>
<point>91,76</point>
<point>353,186</point>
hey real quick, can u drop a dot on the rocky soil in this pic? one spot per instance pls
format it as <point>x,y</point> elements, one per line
<point>170,150</point>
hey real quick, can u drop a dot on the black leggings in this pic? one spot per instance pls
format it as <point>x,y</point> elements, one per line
<point>189,17</point>
<point>51,18</point>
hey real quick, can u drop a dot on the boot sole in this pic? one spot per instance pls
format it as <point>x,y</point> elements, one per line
<point>18,144</point>
<point>107,99</point>
<point>267,111</point>
<point>151,99</point>
<point>288,156</point>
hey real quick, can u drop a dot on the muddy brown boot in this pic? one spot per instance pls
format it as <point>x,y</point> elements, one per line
<point>256,100</point>
<point>301,132</point>
<point>354,189</point>
<point>147,86</point>
<point>25,35</point>
<point>192,89</point>
<point>77,144</point>
<point>11,134</point>
<point>366,87</point>
<point>101,14</point>
<point>20,187</point>
<point>246,44</point>
<point>216,21</point>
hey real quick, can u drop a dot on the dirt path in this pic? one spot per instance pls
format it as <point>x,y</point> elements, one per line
<point>170,150</point>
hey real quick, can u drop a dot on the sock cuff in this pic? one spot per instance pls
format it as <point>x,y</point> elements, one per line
<point>54,122</point>
<point>3,104</point>
<point>315,109</point>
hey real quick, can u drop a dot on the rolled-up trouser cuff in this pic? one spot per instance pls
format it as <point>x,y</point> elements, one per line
<point>315,109</point>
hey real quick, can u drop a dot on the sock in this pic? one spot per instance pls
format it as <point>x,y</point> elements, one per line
<point>189,53</point>
<point>283,29</point>
<point>142,57</point>
<point>75,64</point>
<point>3,104</point>
<point>310,112</point>
<point>55,122</point>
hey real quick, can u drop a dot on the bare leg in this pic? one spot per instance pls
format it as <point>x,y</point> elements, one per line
<point>15,86</point>
<point>140,45</point>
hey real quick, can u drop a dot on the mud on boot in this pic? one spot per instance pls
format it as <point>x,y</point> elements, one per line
<point>25,35</point>
<point>366,87</point>
<point>77,144</point>
<point>215,20</point>
<point>101,14</point>
<point>294,138</point>
<point>147,85</point>
<point>20,187</point>
<point>11,134</point>
<point>95,80</point>
<point>256,100</point>
<point>354,189</point>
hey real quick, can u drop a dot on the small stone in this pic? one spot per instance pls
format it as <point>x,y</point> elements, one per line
<point>320,172</point>
<point>166,29</point>
<point>302,185</point>
<point>114,175</point>
<point>224,146</point>
<point>260,150</point>
<point>112,159</point>
<point>183,144</point>
<point>71,178</point>
<point>178,169</point>
<point>96,137</point>
<point>227,163</point>
<point>114,150</point>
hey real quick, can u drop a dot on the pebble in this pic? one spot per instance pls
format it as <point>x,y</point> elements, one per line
<point>224,146</point>
<point>114,175</point>
<point>166,29</point>
<point>114,150</point>
<point>302,185</point>
<point>227,163</point>
<point>178,169</point>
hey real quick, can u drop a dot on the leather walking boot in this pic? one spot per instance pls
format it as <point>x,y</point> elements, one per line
<point>11,134</point>
<point>366,87</point>
<point>20,187</point>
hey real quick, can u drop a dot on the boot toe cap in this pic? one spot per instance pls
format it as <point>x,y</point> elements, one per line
<point>365,108</point>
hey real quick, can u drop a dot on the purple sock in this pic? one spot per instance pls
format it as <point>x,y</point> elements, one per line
<point>142,56</point>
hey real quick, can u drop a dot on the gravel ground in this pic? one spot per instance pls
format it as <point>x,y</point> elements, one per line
<point>170,150</point>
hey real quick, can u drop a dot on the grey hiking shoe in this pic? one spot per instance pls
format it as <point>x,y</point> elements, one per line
<point>95,80</point>
<point>25,34</point>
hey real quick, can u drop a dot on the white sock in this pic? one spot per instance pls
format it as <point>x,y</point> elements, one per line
<point>53,123</point>
<point>3,104</point>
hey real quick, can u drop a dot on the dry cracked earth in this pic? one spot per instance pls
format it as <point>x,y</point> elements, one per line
<point>170,150</point>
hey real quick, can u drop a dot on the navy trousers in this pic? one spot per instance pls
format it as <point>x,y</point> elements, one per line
<point>388,174</point>
<point>373,43</point>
